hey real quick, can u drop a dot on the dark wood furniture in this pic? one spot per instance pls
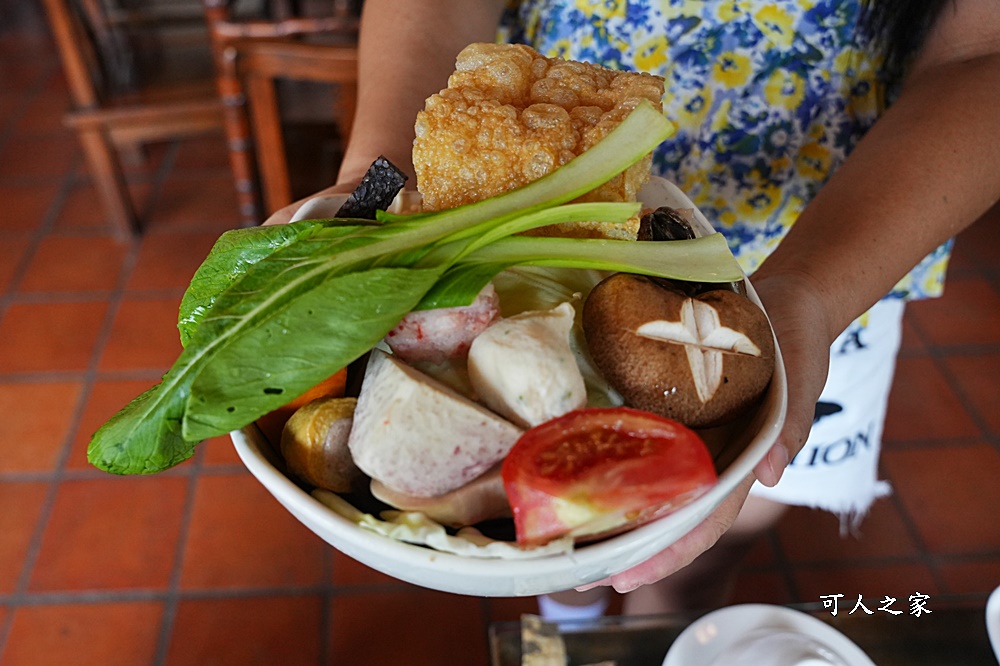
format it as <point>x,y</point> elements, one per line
<point>953,633</point>
<point>252,55</point>
<point>116,107</point>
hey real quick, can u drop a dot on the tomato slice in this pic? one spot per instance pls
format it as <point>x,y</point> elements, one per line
<point>597,471</point>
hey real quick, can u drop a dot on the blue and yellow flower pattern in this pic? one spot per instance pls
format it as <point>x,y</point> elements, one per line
<point>769,97</point>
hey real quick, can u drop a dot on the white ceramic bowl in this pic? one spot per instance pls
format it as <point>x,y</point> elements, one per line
<point>763,635</point>
<point>737,452</point>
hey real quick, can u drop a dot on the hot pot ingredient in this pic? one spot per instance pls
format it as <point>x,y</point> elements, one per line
<point>417,436</point>
<point>376,191</point>
<point>664,224</point>
<point>510,115</point>
<point>440,334</point>
<point>598,471</point>
<point>314,445</point>
<point>671,224</point>
<point>321,290</point>
<point>702,360</point>
<point>272,423</point>
<point>522,367</point>
<point>481,499</point>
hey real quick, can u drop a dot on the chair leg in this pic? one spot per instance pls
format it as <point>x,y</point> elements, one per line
<point>269,143</point>
<point>110,181</point>
<point>237,126</point>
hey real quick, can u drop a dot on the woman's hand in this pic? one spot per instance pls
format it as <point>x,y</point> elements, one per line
<point>800,324</point>
<point>284,215</point>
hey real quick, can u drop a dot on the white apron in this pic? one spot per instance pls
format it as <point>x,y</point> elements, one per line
<point>837,469</point>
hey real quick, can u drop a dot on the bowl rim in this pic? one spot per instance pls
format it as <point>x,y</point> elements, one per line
<point>586,563</point>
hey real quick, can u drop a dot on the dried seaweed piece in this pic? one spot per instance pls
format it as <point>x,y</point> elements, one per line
<point>376,191</point>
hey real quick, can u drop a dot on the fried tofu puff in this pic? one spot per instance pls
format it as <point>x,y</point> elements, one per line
<point>510,115</point>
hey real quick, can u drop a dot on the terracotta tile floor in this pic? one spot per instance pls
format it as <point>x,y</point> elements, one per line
<point>199,565</point>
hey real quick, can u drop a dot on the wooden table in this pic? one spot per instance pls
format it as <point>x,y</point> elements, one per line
<point>954,633</point>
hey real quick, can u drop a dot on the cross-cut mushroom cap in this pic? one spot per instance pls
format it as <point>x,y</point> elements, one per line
<point>700,360</point>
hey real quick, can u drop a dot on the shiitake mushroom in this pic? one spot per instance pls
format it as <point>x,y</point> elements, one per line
<point>702,360</point>
<point>670,224</point>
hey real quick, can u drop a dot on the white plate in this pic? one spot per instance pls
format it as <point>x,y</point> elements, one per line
<point>736,454</point>
<point>993,621</point>
<point>707,637</point>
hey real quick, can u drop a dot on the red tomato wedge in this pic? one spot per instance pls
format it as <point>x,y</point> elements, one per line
<point>597,471</point>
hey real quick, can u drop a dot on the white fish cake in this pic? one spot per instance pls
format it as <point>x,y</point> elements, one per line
<point>523,367</point>
<point>419,437</point>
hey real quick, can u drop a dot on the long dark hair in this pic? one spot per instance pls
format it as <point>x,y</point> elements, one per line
<point>900,26</point>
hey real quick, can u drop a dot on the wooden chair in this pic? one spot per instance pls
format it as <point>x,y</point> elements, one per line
<point>115,108</point>
<point>252,56</point>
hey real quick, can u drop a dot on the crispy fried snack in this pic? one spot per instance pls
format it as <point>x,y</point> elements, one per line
<point>510,115</point>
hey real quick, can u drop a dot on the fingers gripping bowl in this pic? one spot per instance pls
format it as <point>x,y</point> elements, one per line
<point>736,448</point>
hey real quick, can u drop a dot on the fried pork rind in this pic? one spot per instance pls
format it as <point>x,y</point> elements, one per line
<point>510,115</point>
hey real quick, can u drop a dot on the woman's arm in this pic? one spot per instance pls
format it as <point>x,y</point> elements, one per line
<point>925,171</point>
<point>406,51</point>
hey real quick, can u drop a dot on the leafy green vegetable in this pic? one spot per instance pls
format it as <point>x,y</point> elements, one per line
<point>270,315</point>
<point>231,257</point>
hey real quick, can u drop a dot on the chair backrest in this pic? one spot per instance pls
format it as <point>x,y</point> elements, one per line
<point>277,19</point>
<point>102,43</point>
<point>88,47</point>
<point>251,53</point>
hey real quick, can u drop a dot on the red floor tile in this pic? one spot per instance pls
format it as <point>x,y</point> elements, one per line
<point>18,528</point>
<point>969,315</point>
<point>979,381</point>
<point>143,162</point>
<point>111,533</point>
<point>951,495</point>
<point>48,156</point>
<point>510,609</point>
<point>429,628</point>
<point>105,399</point>
<point>36,421</point>
<point>912,342</point>
<point>190,203</point>
<point>977,246</point>
<point>254,630</point>
<point>49,336</point>
<point>872,581</point>
<point>105,634</point>
<point>12,251</point>
<point>240,536</point>
<point>761,554</point>
<point>10,105</point>
<point>143,335</point>
<point>167,261</point>
<point>44,114</point>
<point>347,571</point>
<point>21,72</point>
<point>922,405</point>
<point>25,206</point>
<point>74,264</point>
<point>809,535</point>
<point>219,451</point>
<point>204,152</point>
<point>84,209</point>
<point>761,587</point>
<point>979,576</point>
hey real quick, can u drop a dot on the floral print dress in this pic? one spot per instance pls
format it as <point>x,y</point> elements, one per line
<point>769,97</point>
